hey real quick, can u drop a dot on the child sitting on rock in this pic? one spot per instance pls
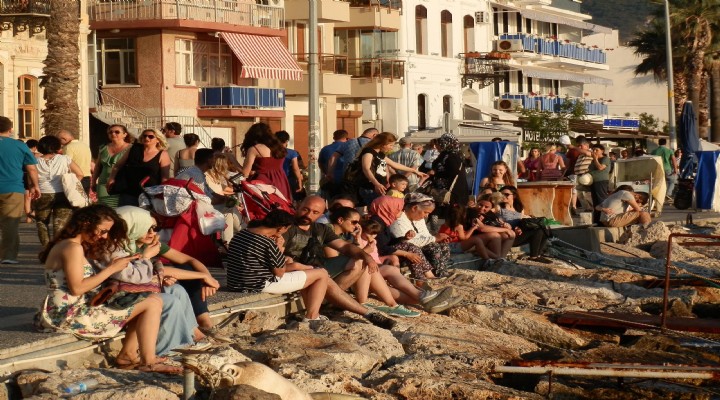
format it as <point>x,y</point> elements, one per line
<point>460,239</point>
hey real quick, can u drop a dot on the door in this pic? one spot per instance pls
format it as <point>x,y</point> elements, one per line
<point>348,120</point>
<point>301,133</point>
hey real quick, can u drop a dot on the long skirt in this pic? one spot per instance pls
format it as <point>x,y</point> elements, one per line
<point>177,323</point>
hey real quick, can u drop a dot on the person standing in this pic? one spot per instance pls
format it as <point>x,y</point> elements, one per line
<point>600,171</point>
<point>291,166</point>
<point>264,158</point>
<point>108,156</point>
<point>175,142</point>
<point>409,158</point>
<point>80,154</point>
<point>347,152</point>
<point>15,156</point>
<point>332,178</point>
<point>670,165</point>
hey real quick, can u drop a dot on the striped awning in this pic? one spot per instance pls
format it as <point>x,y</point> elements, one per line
<point>556,19</point>
<point>547,73</point>
<point>263,57</point>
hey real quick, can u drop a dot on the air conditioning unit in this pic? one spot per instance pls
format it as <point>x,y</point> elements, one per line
<point>482,17</point>
<point>508,104</point>
<point>507,45</point>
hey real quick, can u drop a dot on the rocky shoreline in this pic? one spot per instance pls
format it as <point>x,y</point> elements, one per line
<point>508,315</point>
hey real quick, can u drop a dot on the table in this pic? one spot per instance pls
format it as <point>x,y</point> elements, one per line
<point>549,199</point>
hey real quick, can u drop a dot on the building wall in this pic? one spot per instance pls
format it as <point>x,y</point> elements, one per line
<point>629,93</point>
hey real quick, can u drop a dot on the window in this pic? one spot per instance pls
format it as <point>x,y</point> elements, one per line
<point>116,58</point>
<point>421,30</point>
<point>519,22</point>
<point>496,21</point>
<point>469,33</point>
<point>447,104</point>
<point>421,107</point>
<point>446,33</point>
<point>27,96</point>
<point>505,21</point>
<point>202,63</point>
<point>520,80</point>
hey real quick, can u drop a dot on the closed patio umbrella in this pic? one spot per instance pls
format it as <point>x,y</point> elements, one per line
<point>688,140</point>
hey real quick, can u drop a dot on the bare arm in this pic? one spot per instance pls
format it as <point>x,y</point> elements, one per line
<point>248,163</point>
<point>298,175</point>
<point>73,259</point>
<point>164,166</point>
<point>34,185</point>
<point>400,167</point>
<point>354,252</point>
<point>96,172</point>
<point>76,170</point>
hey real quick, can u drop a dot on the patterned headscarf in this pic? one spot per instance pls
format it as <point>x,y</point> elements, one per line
<point>417,198</point>
<point>449,143</point>
<point>138,223</point>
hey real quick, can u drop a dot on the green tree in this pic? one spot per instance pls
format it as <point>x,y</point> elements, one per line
<point>61,74</point>
<point>550,125</point>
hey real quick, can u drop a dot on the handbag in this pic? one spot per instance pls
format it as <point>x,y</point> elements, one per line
<point>154,286</point>
<point>73,190</point>
<point>209,218</point>
<point>443,196</point>
<point>102,296</point>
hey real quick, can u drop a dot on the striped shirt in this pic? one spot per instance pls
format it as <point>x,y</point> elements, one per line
<point>582,165</point>
<point>251,260</point>
<point>409,158</point>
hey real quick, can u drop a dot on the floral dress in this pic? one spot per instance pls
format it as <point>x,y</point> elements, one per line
<point>67,313</point>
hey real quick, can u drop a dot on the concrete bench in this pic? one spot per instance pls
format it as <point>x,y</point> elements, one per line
<point>588,237</point>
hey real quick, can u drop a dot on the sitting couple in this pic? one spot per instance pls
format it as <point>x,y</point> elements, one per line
<point>282,253</point>
<point>155,323</point>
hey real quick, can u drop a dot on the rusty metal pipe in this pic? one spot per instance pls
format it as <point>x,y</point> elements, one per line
<point>609,372</point>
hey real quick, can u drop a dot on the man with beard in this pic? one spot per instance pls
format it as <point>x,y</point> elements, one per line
<point>304,243</point>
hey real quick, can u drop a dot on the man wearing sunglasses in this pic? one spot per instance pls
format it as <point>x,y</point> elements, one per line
<point>175,142</point>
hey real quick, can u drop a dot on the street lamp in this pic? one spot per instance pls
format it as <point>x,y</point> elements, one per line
<point>670,83</point>
<point>313,101</point>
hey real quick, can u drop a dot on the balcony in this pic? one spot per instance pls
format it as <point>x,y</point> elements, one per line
<point>24,15</point>
<point>483,68</point>
<point>373,14</point>
<point>328,10</point>
<point>241,101</point>
<point>210,15</point>
<point>376,78</point>
<point>549,103</point>
<point>543,50</point>
<point>334,78</point>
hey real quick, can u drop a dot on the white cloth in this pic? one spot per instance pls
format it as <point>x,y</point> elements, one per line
<point>402,225</point>
<point>640,168</point>
<point>50,172</point>
<point>617,202</point>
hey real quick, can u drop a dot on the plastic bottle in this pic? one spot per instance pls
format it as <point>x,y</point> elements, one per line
<point>80,386</point>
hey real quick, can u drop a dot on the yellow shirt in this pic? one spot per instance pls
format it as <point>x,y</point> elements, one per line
<point>80,154</point>
<point>396,194</point>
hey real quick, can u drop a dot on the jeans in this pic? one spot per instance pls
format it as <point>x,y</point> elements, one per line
<point>670,180</point>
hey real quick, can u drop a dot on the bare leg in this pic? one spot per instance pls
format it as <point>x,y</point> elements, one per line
<point>353,271</point>
<point>390,260</point>
<point>142,330</point>
<point>313,293</point>
<point>479,247</point>
<point>361,288</point>
<point>204,320</point>
<point>336,295</point>
<point>381,289</point>
<point>492,242</point>
<point>507,243</point>
<point>402,289</point>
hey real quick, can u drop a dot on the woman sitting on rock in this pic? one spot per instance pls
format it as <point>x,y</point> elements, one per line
<point>499,176</point>
<point>462,240</point>
<point>410,228</point>
<point>94,232</point>
<point>511,212</point>
<point>498,233</point>
<point>256,264</point>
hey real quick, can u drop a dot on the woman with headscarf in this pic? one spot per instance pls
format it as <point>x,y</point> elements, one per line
<point>190,273</point>
<point>448,168</point>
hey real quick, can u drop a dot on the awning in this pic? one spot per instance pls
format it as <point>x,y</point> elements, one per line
<point>556,19</point>
<point>559,75</point>
<point>263,57</point>
<point>488,110</point>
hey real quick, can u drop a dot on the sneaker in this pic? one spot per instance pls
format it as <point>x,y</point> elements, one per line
<point>380,320</point>
<point>443,295</point>
<point>9,262</point>
<point>200,345</point>
<point>214,333</point>
<point>400,311</point>
<point>319,318</point>
<point>427,295</point>
<point>445,305</point>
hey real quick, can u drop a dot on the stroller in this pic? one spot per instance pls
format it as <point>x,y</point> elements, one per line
<point>259,198</point>
<point>180,207</point>
<point>685,187</point>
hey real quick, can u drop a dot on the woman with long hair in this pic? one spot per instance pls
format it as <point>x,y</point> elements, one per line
<point>52,205</point>
<point>120,141</point>
<point>217,180</point>
<point>264,158</point>
<point>500,175</point>
<point>372,178</point>
<point>184,158</point>
<point>553,166</point>
<point>146,159</point>
<point>511,211</point>
<point>94,232</point>
<point>532,165</point>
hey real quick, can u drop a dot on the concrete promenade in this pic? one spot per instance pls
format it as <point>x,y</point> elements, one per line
<point>22,291</point>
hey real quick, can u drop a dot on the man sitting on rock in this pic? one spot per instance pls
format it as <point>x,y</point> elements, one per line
<point>613,211</point>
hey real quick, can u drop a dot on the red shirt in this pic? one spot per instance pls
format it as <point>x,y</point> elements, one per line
<point>572,156</point>
<point>453,235</point>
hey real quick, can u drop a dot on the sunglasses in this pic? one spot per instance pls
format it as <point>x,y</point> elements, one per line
<point>149,136</point>
<point>154,228</point>
<point>116,132</point>
<point>355,222</point>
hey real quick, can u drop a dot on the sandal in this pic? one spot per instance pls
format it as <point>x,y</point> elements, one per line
<point>161,367</point>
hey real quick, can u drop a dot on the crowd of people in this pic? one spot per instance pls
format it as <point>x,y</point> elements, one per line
<point>377,216</point>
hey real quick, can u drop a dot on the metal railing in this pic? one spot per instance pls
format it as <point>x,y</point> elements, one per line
<point>557,47</point>
<point>335,63</point>
<point>114,105</point>
<point>391,4</point>
<point>552,103</point>
<point>235,12</point>
<point>189,125</point>
<point>376,68</point>
<point>25,7</point>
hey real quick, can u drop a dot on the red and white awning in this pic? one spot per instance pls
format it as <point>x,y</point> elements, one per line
<point>263,57</point>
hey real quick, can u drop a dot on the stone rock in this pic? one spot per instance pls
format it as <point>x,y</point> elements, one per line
<point>522,323</point>
<point>637,236</point>
<point>451,388</point>
<point>254,322</point>
<point>244,392</point>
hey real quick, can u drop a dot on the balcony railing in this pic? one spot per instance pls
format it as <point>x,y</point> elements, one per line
<point>552,103</point>
<point>24,15</point>
<point>391,4</point>
<point>376,68</point>
<point>235,12</point>
<point>332,63</point>
<point>36,7</point>
<point>557,48</point>
<point>483,68</point>
<point>242,97</point>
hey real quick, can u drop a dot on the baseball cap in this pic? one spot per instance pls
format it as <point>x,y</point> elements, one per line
<point>565,139</point>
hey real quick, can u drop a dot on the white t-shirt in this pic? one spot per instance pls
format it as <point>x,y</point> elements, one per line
<point>402,225</point>
<point>617,202</point>
<point>50,172</point>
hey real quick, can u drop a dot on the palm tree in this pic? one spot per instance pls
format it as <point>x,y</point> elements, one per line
<point>61,74</point>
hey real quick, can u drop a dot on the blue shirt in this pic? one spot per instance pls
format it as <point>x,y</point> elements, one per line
<point>15,155</point>
<point>287,164</point>
<point>324,159</point>
<point>349,150</point>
